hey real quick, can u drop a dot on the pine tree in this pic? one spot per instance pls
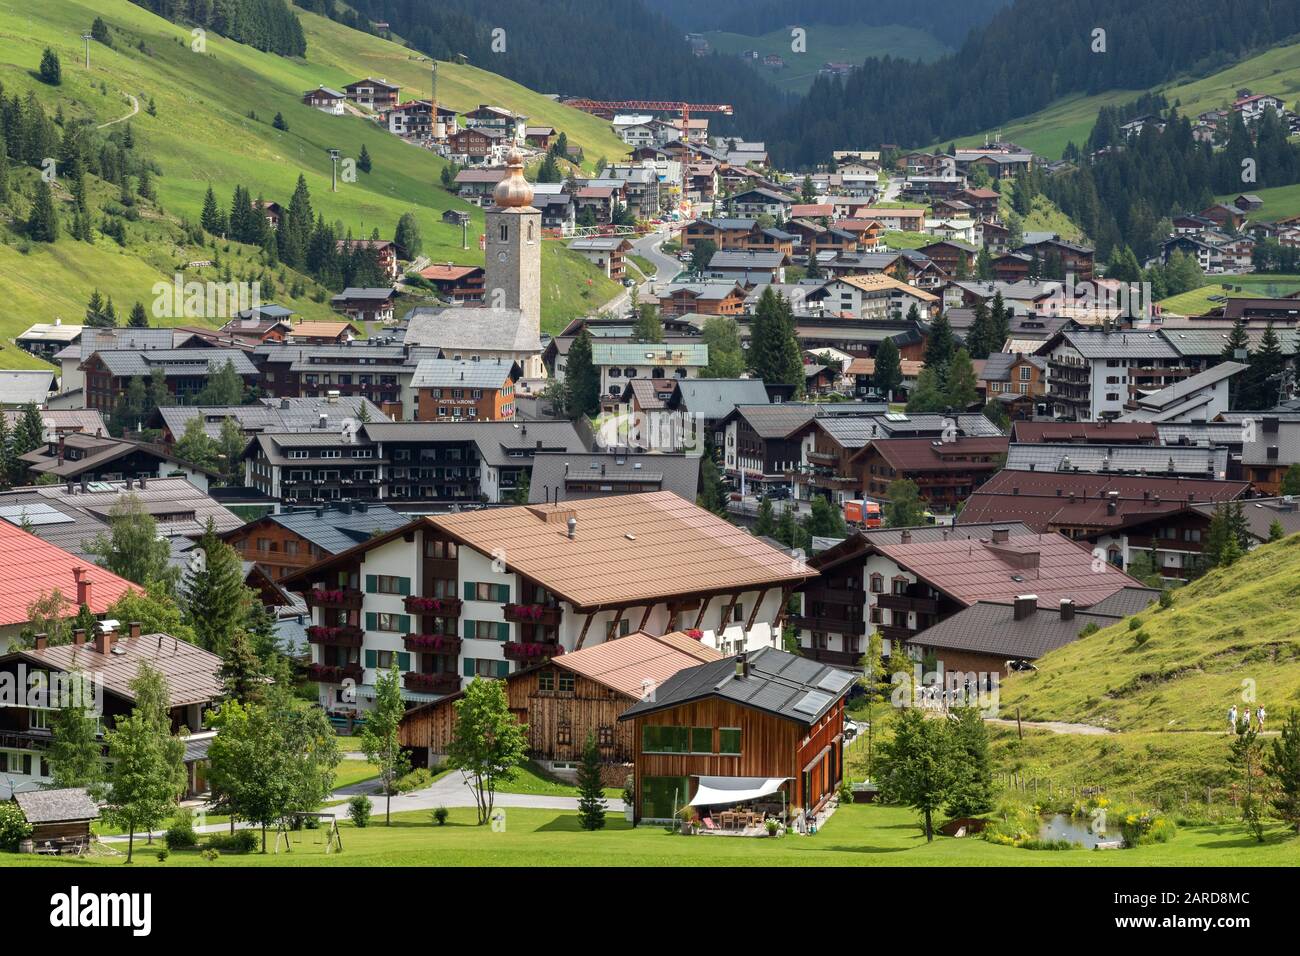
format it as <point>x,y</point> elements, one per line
<point>75,751</point>
<point>407,236</point>
<point>7,468</point>
<point>649,327</point>
<point>582,377</point>
<point>774,350</point>
<point>1282,766</point>
<point>139,318</point>
<point>591,792</point>
<point>978,338</point>
<point>50,71</point>
<point>211,218</point>
<point>241,671</point>
<point>29,433</point>
<point>963,387</point>
<point>888,374</point>
<point>363,160</point>
<point>43,223</point>
<point>940,348</point>
<point>972,788</point>
<point>764,522</point>
<point>217,601</point>
<point>928,394</point>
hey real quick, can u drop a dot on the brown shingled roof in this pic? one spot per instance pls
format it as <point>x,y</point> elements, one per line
<point>926,454</point>
<point>626,663</point>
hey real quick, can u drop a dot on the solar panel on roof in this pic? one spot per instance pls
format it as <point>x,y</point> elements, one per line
<point>34,514</point>
<point>101,486</point>
<point>812,702</point>
<point>835,680</point>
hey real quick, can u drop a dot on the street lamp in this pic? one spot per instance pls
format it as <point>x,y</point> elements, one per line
<point>87,37</point>
<point>334,170</point>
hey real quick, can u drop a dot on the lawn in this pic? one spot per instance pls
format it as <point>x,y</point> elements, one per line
<point>532,779</point>
<point>857,835</point>
<point>1199,301</point>
<point>350,771</point>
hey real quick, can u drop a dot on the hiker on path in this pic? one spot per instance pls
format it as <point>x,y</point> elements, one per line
<point>1259,717</point>
<point>1232,719</point>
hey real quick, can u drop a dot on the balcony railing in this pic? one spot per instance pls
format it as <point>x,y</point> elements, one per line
<point>531,650</point>
<point>334,673</point>
<point>439,606</point>
<point>532,614</point>
<point>834,658</point>
<point>345,598</point>
<point>905,602</point>
<point>344,635</point>
<point>833,625</point>
<point>431,683</point>
<point>432,643</point>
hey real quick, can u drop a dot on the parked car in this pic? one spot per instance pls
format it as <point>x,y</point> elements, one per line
<point>778,493</point>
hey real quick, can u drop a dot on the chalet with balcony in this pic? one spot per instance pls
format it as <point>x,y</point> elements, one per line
<point>378,95</point>
<point>291,540</point>
<point>900,581</point>
<point>480,593</point>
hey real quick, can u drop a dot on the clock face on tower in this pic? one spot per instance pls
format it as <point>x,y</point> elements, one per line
<point>503,256</point>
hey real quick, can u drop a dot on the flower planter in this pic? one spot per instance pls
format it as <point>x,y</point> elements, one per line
<point>442,607</point>
<point>432,643</point>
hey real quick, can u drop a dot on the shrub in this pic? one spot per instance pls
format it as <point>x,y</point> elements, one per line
<point>359,808</point>
<point>210,854</point>
<point>1141,637</point>
<point>180,835</point>
<point>440,816</point>
<point>241,841</point>
<point>162,856</point>
<point>1144,827</point>
<point>14,827</point>
<point>1134,624</point>
<point>417,779</point>
<point>1166,599</point>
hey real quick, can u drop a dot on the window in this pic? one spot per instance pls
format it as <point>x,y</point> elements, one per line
<point>665,740</point>
<point>877,584</point>
<point>729,740</point>
<point>482,591</point>
<point>387,584</point>
<point>564,733</point>
<point>439,549</point>
<point>605,736</point>
<point>701,740</point>
<point>1025,372</point>
<point>566,682</point>
<point>546,681</point>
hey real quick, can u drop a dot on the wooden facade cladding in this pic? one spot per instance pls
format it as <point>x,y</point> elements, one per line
<point>770,746</point>
<point>558,721</point>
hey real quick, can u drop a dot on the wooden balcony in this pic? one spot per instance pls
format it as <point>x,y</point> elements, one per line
<point>438,607</point>
<point>532,614</point>
<point>905,602</point>
<point>343,598</point>
<point>832,625</point>
<point>531,650</point>
<point>846,659</point>
<point>432,643</point>
<point>431,683</point>
<point>345,635</point>
<point>333,673</point>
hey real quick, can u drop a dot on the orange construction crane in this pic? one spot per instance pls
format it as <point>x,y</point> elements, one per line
<point>601,107</point>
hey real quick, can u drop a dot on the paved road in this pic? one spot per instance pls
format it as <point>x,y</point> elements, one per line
<point>648,247</point>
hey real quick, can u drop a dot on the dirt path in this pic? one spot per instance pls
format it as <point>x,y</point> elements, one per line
<point>135,109</point>
<point>1055,726</point>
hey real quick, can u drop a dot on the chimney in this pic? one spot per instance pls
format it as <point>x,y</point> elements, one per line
<point>84,482</point>
<point>104,641</point>
<point>83,588</point>
<point>126,484</point>
<point>1001,535</point>
<point>1067,609</point>
<point>905,537</point>
<point>1025,606</point>
<point>70,486</point>
<point>143,479</point>
<point>1112,503</point>
<point>79,636</point>
<point>284,403</point>
<point>42,642</point>
<point>573,527</point>
<point>134,628</point>
<point>742,665</point>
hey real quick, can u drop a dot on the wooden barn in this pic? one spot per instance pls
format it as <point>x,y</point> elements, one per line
<point>763,731</point>
<point>569,696</point>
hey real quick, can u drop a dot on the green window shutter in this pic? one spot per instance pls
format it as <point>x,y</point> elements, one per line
<point>370,621</point>
<point>503,668</point>
<point>468,667</point>
<point>404,586</point>
<point>372,658</point>
<point>403,661</point>
<point>469,629</point>
<point>503,593</point>
<point>469,590</point>
<point>371,584</point>
<point>503,631</point>
<point>404,623</point>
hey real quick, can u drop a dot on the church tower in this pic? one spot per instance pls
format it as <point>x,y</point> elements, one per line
<point>513,252</point>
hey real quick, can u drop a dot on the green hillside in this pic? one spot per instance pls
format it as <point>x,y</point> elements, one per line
<point>203,134</point>
<point>1233,629</point>
<point>834,44</point>
<point>1275,71</point>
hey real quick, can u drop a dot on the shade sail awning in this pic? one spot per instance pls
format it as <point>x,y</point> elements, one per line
<point>714,791</point>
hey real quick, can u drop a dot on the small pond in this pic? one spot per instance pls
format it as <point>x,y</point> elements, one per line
<point>1059,826</point>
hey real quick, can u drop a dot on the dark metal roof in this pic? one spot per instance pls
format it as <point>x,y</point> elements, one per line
<point>785,685</point>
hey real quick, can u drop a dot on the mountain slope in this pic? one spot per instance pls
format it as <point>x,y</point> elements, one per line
<point>203,134</point>
<point>1233,630</point>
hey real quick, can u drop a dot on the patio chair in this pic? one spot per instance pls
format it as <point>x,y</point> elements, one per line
<point>708,823</point>
<point>728,819</point>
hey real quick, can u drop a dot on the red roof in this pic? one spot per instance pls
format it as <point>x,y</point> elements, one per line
<point>1050,566</point>
<point>927,454</point>
<point>449,272</point>
<point>1043,499</point>
<point>31,568</point>
<point>1105,433</point>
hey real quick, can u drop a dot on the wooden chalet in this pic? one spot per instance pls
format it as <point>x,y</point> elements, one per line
<point>567,697</point>
<point>763,730</point>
